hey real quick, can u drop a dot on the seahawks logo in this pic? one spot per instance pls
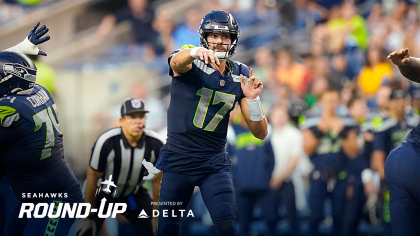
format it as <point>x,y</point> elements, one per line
<point>12,69</point>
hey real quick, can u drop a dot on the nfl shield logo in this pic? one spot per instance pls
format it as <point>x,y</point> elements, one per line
<point>222,83</point>
<point>136,103</point>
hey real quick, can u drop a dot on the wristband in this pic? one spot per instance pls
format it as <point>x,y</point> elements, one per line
<point>255,110</point>
<point>193,52</point>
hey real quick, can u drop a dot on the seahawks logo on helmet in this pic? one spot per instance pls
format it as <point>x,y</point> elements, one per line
<point>18,70</point>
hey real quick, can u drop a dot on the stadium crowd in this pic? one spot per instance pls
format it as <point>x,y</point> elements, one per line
<point>329,91</point>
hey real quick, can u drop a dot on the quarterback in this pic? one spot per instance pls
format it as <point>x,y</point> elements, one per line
<point>205,87</point>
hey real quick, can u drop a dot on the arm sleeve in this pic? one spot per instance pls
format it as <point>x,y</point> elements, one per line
<point>99,156</point>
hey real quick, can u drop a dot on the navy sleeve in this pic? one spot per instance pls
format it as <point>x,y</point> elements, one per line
<point>380,141</point>
<point>171,73</point>
<point>8,136</point>
<point>122,15</point>
<point>99,155</point>
<point>244,70</point>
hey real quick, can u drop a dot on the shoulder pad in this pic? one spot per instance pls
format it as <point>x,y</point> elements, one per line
<point>8,115</point>
<point>238,68</point>
<point>187,46</point>
<point>384,124</point>
<point>309,122</point>
<point>376,122</point>
<point>348,121</point>
<point>413,120</point>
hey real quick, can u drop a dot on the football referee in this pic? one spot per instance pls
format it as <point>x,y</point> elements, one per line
<point>124,155</point>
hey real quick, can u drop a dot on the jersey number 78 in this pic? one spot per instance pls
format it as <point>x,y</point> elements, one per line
<point>47,116</point>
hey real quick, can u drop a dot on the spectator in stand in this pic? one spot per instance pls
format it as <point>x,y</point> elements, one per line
<point>291,72</point>
<point>348,29</point>
<point>286,141</point>
<point>186,33</point>
<point>340,73</point>
<point>164,26</point>
<point>263,63</point>
<point>379,107</point>
<point>375,72</point>
<point>140,16</point>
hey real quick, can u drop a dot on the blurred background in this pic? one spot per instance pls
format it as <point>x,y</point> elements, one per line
<point>103,51</point>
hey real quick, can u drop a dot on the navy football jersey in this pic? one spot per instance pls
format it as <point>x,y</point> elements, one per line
<point>31,146</point>
<point>198,117</point>
<point>329,152</point>
<point>389,133</point>
<point>362,161</point>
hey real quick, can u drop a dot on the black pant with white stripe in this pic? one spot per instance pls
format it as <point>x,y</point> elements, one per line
<point>142,226</point>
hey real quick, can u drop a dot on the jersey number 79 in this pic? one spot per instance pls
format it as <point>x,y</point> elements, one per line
<point>47,116</point>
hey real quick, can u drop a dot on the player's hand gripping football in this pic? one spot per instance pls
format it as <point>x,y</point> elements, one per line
<point>254,86</point>
<point>400,57</point>
<point>208,56</point>
<point>86,227</point>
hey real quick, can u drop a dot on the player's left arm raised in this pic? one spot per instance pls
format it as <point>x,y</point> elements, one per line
<point>30,44</point>
<point>251,106</point>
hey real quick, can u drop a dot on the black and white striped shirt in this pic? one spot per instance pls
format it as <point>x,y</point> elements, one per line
<point>113,155</point>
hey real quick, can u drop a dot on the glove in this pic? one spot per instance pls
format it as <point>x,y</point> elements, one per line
<point>35,37</point>
<point>30,44</point>
<point>153,171</point>
<point>86,227</point>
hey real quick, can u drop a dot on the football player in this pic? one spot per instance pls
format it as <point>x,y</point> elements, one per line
<point>205,86</point>
<point>389,133</point>
<point>402,164</point>
<point>32,155</point>
<point>329,140</point>
<point>355,195</point>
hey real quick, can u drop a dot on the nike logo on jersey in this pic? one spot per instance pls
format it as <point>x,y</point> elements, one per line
<point>8,115</point>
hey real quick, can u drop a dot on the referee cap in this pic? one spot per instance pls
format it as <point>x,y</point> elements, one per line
<point>132,105</point>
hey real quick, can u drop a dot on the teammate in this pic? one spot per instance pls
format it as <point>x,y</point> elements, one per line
<point>402,165</point>
<point>252,165</point>
<point>206,84</point>
<point>32,154</point>
<point>329,141</point>
<point>355,195</point>
<point>124,154</point>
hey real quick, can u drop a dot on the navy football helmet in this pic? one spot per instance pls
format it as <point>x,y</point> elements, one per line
<point>17,73</point>
<point>219,21</point>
